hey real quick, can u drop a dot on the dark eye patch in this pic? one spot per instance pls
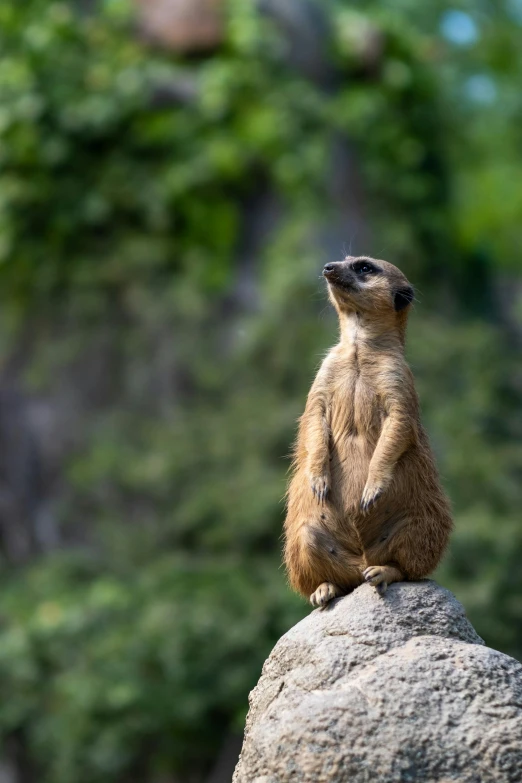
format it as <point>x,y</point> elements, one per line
<point>364,267</point>
<point>403,298</point>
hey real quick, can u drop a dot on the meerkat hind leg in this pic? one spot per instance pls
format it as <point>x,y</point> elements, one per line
<point>381,576</point>
<point>325,593</point>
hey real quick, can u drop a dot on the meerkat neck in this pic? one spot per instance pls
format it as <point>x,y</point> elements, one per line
<point>359,328</point>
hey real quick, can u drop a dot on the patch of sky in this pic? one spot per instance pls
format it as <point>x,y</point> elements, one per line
<point>459,28</point>
<point>481,88</point>
<point>514,9</point>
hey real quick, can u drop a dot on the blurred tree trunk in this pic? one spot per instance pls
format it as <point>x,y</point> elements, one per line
<point>27,526</point>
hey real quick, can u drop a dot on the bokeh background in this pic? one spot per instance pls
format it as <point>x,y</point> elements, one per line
<point>173,175</point>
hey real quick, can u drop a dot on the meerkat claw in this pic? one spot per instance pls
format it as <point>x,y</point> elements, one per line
<point>381,577</point>
<point>368,500</point>
<point>320,489</point>
<point>324,593</point>
<point>374,575</point>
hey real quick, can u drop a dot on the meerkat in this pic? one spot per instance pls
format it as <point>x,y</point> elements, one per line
<point>364,502</point>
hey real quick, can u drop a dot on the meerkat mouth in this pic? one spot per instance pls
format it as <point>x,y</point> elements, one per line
<point>339,283</point>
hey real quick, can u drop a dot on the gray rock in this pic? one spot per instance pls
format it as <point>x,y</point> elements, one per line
<point>386,690</point>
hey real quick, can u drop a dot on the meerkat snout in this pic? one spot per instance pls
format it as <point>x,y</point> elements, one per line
<point>340,274</point>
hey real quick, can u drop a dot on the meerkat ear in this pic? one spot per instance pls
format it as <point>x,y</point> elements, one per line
<point>403,298</point>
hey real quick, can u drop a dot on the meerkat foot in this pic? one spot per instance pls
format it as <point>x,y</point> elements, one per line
<point>381,576</point>
<point>370,496</point>
<point>320,487</point>
<point>325,593</point>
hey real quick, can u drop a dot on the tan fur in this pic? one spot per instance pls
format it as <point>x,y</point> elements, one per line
<point>365,501</point>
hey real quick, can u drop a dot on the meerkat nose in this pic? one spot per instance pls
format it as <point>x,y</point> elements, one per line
<point>328,268</point>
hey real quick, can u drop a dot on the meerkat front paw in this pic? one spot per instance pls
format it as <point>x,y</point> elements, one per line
<point>320,487</point>
<point>325,593</point>
<point>370,496</point>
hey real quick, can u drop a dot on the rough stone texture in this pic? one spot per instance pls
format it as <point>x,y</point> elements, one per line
<point>386,690</point>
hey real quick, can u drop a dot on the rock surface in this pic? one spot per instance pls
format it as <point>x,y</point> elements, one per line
<point>386,690</point>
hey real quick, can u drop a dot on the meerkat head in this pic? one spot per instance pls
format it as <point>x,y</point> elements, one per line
<point>369,287</point>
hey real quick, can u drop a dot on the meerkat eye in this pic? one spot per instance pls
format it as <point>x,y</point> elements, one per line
<point>363,268</point>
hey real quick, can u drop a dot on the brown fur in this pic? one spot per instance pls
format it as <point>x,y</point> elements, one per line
<point>365,501</point>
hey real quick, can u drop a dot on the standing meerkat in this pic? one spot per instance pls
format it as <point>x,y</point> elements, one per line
<point>365,501</point>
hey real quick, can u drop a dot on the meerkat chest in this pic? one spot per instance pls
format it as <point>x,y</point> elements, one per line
<point>356,407</point>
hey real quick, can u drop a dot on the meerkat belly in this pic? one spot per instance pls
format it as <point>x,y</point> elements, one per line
<point>357,419</point>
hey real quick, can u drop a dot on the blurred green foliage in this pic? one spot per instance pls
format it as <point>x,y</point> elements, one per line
<point>122,222</point>
<point>107,673</point>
